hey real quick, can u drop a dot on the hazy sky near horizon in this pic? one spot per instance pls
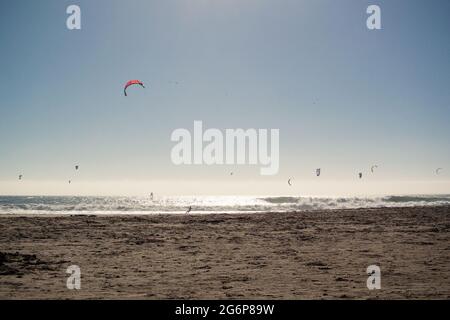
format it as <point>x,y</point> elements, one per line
<point>343,97</point>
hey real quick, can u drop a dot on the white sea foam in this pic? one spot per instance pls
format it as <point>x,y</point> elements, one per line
<point>205,204</point>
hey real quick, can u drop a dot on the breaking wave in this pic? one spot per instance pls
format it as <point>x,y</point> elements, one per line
<point>205,204</point>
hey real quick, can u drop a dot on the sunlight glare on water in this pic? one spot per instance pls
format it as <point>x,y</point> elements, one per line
<point>204,204</point>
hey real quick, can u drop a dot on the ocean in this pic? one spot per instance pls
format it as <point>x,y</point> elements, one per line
<point>69,205</point>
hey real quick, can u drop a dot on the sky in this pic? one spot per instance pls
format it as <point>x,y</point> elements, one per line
<point>343,97</point>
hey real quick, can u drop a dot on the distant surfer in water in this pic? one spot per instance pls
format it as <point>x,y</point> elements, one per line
<point>151,196</point>
<point>189,209</point>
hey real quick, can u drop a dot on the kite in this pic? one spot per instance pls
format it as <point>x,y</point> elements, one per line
<point>131,83</point>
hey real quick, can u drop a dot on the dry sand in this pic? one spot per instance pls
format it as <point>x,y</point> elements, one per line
<point>321,254</point>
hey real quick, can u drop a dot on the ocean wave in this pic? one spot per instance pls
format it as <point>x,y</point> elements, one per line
<point>423,198</point>
<point>225,204</point>
<point>281,199</point>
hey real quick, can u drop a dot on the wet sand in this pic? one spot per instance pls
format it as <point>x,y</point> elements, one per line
<point>312,255</point>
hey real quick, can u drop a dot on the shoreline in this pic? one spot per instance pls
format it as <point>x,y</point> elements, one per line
<point>319,254</point>
<point>197,213</point>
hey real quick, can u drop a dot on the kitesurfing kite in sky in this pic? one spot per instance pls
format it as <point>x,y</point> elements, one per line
<point>131,83</point>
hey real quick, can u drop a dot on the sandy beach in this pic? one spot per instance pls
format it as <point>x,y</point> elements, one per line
<point>309,255</point>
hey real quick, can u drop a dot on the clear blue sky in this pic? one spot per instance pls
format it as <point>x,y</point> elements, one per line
<point>342,96</point>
